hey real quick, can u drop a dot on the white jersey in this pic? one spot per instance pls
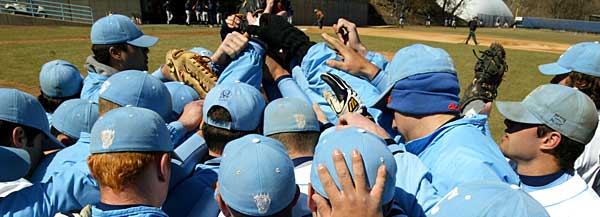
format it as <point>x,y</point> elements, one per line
<point>571,198</point>
<point>9,187</point>
<point>588,164</point>
<point>302,175</point>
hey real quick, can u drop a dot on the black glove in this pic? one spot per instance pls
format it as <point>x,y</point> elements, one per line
<point>278,33</point>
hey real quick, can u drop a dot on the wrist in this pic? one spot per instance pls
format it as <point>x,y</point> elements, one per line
<point>362,50</point>
<point>369,70</point>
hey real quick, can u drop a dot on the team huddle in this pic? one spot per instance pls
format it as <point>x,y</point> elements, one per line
<point>274,124</point>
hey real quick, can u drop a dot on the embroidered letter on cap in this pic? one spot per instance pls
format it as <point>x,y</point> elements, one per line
<point>263,202</point>
<point>107,138</point>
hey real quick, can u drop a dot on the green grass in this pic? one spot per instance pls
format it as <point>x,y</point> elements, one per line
<point>26,49</point>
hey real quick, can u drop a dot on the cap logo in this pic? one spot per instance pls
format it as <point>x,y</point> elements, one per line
<point>558,120</point>
<point>107,137</point>
<point>225,94</point>
<point>300,121</point>
<point>104,87</point>
<point>389,99</point>
<point>263,202</point>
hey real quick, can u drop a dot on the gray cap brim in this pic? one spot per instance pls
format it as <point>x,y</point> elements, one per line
<point>15,163</point>
<point>553,69</point>
<point>144,41</point>
<point>515,111</point>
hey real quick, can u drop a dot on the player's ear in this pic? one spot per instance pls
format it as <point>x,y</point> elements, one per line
<point>19,139</point>
<point>224,208</point>
<point>115,53</point>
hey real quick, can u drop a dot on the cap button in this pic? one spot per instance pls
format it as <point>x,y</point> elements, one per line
<point>256,140</point>
<point>361,131</point>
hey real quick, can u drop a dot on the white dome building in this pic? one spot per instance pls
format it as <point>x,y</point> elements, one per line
<point>487,11</point>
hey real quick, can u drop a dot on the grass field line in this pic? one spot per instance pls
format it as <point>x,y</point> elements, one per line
<point>511,43</point>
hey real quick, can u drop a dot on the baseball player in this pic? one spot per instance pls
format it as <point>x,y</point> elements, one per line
<point>188,11</point>
<point>319,16</point>
<point>293,122</point>
<point>428,21</point>
<point>353,142</point>
<point>473,24</point>
<point>131,153</point>
<point>169,10</point>
<point>266,170</point>
<point>59,81</point>
<point>24,125</point>
<point>579,67</point>
<point>230,111</point>
<point>15,166</point>
<point>408,82</point>
<point>72,118</point>
<point>545,133</point>
<point>118,44</point>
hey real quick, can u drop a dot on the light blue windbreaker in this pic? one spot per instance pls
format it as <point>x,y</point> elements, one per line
<point>414,192</point>
<point>138,211</point>
<point>308,78</point>
<point>246,67</point>
<point>91,86</point>
<point>71,189</point>
<point>460,152</point>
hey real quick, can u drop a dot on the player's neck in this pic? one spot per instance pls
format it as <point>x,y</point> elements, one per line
<point>540,166</point>
<point>127,196</point>
<point>424,126</point>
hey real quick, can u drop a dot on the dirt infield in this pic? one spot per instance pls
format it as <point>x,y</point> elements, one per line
<point>528,45</point>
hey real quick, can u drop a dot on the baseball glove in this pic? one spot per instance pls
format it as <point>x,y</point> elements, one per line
<point>489,70</point>
<point>192,69</point>
<point>343,99</point>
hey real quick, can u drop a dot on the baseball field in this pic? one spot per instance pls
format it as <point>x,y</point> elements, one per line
<point>26,48</point>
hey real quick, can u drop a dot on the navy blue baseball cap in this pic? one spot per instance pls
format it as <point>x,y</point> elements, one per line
<point>24,109</point>
<point>116,28</point>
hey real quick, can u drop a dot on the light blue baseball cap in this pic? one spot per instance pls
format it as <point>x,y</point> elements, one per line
<point>75,116</point>
<point>286,115</point>
<point>202,51</point>
<point>24,109</point>
<point>256,176</point>
<point>59,78</point>
<point>374,153</point>
<point>487,199</point>
<point>139,89</point>
<point>181,95</point>
<point>116,28</point>
<point>413,60</point>
<point>14,163</point>
<point>583,57</point>
<point>243,102</point>
<point>564,109</point>
<point>130,129</point>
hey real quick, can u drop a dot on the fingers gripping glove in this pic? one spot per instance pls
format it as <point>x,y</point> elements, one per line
<point>278,33</point>
<point>343,99</point>
<point>489,70</point>
<point>192,69</point>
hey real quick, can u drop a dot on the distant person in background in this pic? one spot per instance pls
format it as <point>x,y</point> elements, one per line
<point>401,21</point>
<point>220,10</point>
<point>428,21</point>
<point>453,23</point>
<point>212,13</point>
<point>497,24</point>
<point>204,9</point>
<point>168,8</point>
<point>290,11</point>
<point>473,24</point>
<point>319,16</point>
<point>188,11</point>
<point>197,10</point>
